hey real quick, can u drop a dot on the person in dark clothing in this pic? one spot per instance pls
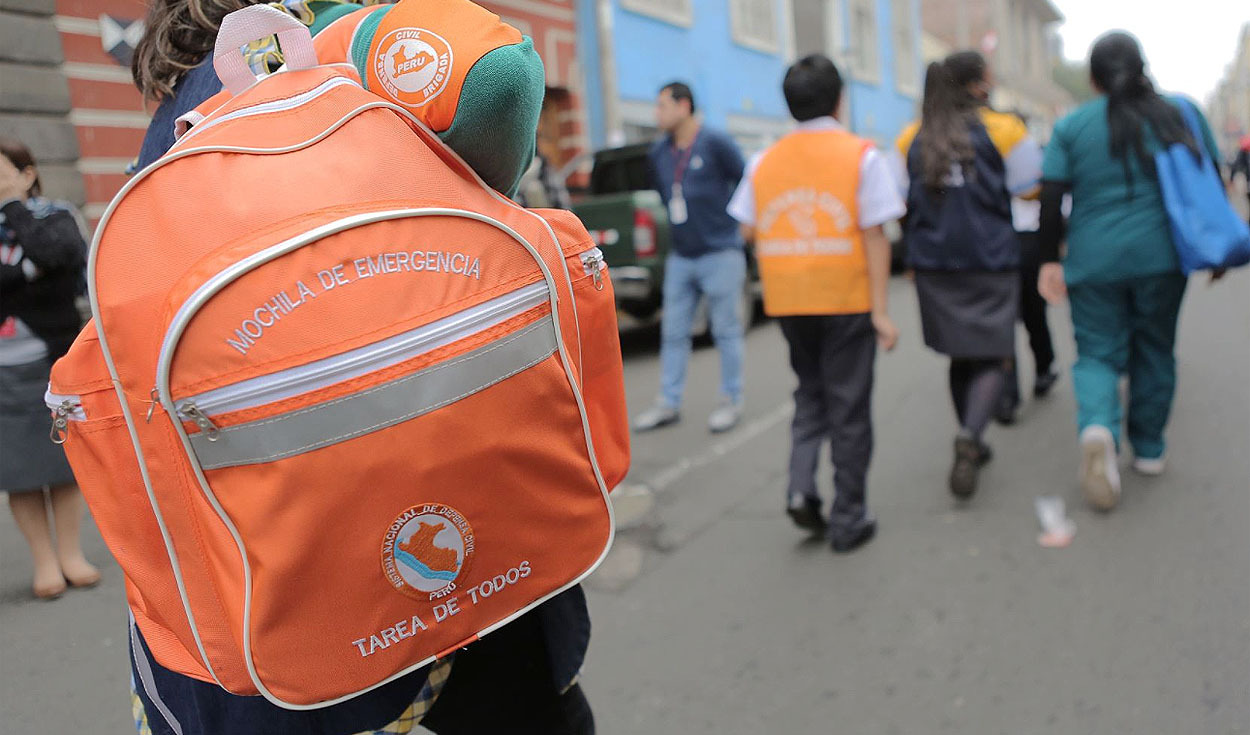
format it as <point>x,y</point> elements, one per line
<point>964,162</point>
<point>522,678</point>
<point>42,257</point>
<point>1025,216</point>
<point>1241,165</point>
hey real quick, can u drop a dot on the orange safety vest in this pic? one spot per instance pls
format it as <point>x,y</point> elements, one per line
<point>808,241</point>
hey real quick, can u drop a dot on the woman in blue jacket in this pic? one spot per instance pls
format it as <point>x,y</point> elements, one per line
<point>1120,273</point>
<point>964,162</point>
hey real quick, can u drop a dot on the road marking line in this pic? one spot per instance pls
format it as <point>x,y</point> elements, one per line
<point>668,476</point>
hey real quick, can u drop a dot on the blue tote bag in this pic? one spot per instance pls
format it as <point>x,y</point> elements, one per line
<point>1207,232</point>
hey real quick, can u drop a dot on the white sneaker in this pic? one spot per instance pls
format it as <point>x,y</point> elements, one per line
<point>659,415</point>
<point>1151,467</point>
<point>1100,473</point>
<point>725,417</point>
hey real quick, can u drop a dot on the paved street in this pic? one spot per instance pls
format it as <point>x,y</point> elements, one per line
<point>713,615</point>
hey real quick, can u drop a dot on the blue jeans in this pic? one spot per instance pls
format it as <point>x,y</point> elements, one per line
<point>719,276</point>
<point>1127,328</point>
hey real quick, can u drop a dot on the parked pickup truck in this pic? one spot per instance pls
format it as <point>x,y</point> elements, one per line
<point>629,223</point>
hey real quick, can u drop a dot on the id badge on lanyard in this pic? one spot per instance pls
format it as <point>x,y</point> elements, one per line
<point>677,212</point>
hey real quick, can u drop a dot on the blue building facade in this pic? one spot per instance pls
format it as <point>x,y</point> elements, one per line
<point>734,54</point>
<point>881,104</point>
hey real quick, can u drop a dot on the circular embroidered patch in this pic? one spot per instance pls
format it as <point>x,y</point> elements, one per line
<point>413,65</point>
<point>426,550</point>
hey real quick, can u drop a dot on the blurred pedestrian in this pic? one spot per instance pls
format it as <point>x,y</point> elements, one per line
<point>814,204</point>
<point>523,677</point>
<point>1241,165</point>
<point>1025,219</point>
<point>696,170</point>
<point>42,257</point>
<point>541,186</point>
<point>1121,273</point>
<point>965,161</point>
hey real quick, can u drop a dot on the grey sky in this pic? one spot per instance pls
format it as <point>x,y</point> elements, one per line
<point>1187,42</point>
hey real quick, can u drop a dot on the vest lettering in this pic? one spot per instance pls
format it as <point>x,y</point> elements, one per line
<point>808,241</point>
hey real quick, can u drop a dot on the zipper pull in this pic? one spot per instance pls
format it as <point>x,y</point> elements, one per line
<point>60,421</point>
<point>193,412</point>
<point>153,398</point>
<point>594,267</point>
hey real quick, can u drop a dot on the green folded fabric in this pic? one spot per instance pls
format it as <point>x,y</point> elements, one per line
<point>496,125</point>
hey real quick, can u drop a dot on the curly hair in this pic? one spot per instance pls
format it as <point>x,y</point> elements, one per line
<point>177,35</point>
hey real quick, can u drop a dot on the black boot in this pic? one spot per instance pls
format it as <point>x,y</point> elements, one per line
<point>846,538</point>
<point>805,512</point>
<point>970,456</point>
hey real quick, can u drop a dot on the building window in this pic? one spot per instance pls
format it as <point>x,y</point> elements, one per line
<point>865,57</point>
<point>905,73</point>
<point>754,23</point>
<point>677,12</point>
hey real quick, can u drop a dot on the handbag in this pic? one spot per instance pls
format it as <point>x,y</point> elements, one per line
<point>1207,232</point>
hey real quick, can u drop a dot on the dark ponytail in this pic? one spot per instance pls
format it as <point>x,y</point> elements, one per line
<point>948,113</point>
<point>1117,67</point>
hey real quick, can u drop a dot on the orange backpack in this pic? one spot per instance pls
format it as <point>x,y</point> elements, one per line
<point>341,408</point>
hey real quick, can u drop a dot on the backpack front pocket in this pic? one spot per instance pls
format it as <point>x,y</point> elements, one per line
<point>372,387</point>
<point>424,482</point>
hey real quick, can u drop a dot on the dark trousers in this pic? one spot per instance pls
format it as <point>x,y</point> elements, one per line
<point>833,358</point>
<point>1033,314</point>
<point>503,684</point>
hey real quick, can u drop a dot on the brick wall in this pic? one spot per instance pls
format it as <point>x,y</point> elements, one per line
<point>35,95</point>
<point>552,25</point>
<point>107,111</point>
<point>78,109</point>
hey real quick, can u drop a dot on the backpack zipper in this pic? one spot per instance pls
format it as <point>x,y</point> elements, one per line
<point>286,103</point>
<point>360,361</point>
<point>64,409</point>
<point>593,264</point>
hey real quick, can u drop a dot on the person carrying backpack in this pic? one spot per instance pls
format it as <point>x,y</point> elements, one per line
<point>522,678</point>
<point>1120,272</point>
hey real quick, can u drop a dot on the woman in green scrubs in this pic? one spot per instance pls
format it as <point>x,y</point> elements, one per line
<point>1120,272</point>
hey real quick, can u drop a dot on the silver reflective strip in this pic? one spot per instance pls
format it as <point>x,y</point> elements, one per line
<point>377,408</point>
<point>144,667</point>
<point>370,358</point>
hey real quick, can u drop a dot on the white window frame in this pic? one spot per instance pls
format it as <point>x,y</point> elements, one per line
<point>677,12</point>
<point>865,52</point>
<point>744,29</point>
<point>835,34</point>
<point>904,35</point>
